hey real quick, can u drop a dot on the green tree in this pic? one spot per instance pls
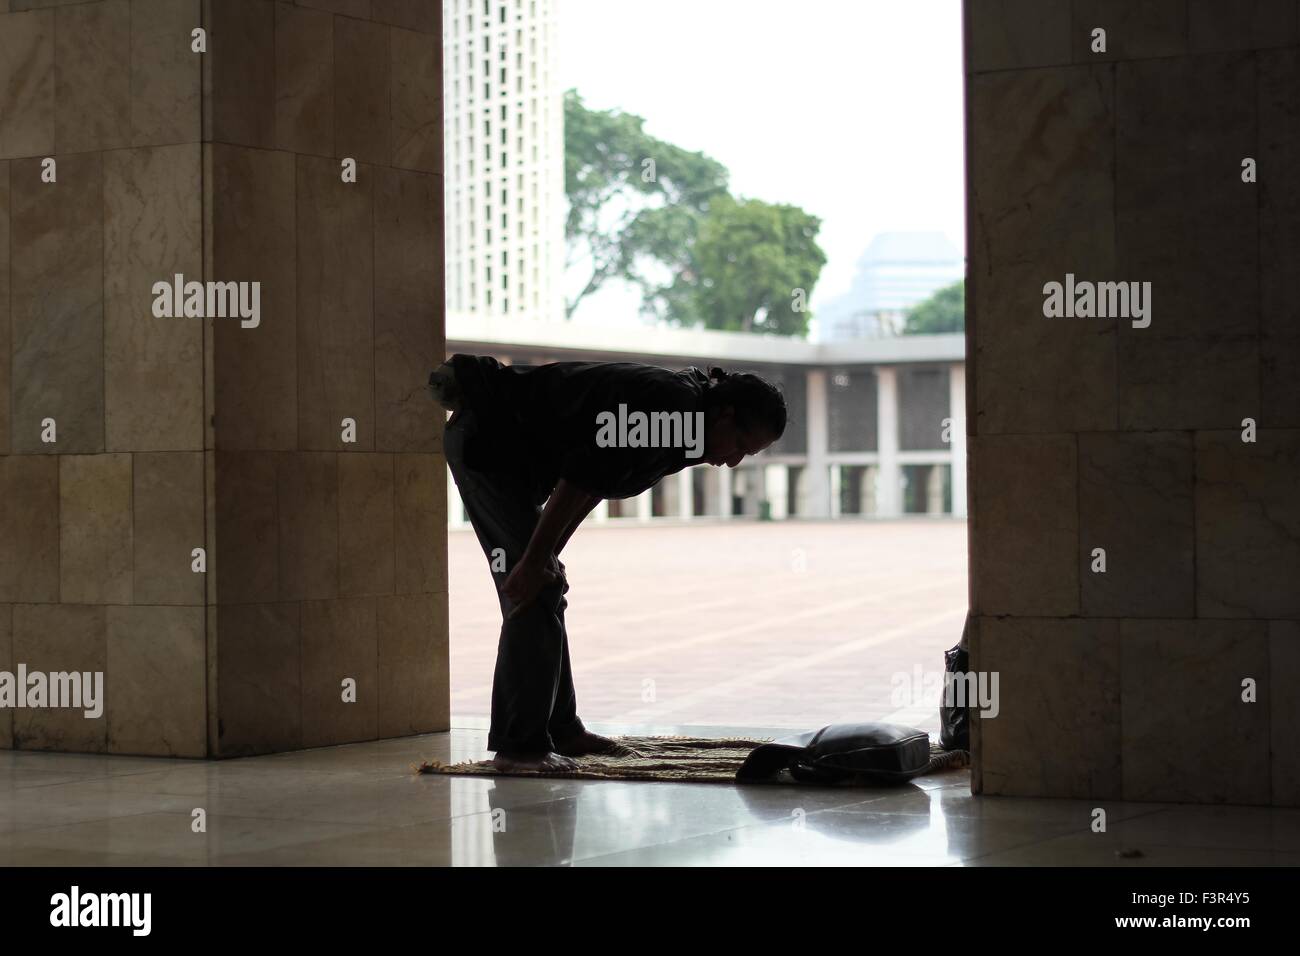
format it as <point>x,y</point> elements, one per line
<point>631,196</point>
<point>743,264</point>
<point>944,311</point>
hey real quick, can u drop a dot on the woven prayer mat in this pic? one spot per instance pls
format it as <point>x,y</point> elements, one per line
<point>680,759</point>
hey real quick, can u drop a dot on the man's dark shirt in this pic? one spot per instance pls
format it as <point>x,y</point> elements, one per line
<point>542,419</point>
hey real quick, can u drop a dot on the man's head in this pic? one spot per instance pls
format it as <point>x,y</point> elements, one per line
<point>744,415</point>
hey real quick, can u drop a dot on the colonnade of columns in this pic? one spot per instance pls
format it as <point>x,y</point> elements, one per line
<point>814,485</point>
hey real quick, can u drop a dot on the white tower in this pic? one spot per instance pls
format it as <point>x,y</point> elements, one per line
<point>504,159</point>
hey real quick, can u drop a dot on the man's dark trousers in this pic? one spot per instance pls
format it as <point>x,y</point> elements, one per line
<point>533,701</point>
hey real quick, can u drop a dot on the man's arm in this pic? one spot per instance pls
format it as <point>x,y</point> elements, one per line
<point>565,508</point>
<point>579,516</point>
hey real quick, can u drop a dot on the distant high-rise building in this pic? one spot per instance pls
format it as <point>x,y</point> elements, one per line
<point>897,270</point>
<point>504,152</point>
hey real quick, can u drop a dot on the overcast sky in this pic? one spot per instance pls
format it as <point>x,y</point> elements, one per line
<point>850,109</point>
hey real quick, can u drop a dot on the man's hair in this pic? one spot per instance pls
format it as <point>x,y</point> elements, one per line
<point>759,404</point>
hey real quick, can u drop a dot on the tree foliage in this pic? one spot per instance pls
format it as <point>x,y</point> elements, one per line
<point>944,311</point>
<point>699,256</point>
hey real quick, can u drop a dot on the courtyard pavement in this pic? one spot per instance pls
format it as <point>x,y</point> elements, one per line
<point>742,623</point>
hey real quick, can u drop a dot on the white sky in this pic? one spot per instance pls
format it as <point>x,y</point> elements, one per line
<point>851,109</point>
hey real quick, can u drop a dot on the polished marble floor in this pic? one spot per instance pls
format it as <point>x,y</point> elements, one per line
<point>362,805</point>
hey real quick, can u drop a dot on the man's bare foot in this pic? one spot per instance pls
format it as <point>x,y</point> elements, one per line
<point>588,743</point>
<point>543,763</point>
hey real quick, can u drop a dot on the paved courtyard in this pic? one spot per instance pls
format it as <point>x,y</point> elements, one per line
<point>742,623</point>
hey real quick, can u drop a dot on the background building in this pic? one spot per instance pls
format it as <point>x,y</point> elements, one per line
<point>504,157</point>
<point>897,271</point>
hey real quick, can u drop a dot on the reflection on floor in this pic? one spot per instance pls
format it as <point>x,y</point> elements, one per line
<point>362,805</point>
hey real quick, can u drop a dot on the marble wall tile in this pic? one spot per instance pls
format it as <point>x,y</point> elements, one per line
<point>95,546</point>
<point>6,351</point>
<point>259,679</point>
<point>153,367</point>
<point>421,508</point>
<point>29,528</point>
<point>39,4</point>
<point>408,308</point>
<point>1057,731</point>
<point>1244,25</point>
<point>1025,534</point>
<point>414,689</point>
<point>168,525</point>
<point>1014,34</point>
<point>1188,736</point>
<point>95,541</point>
<point>156,681</point>
<point>417,100</point>
<point>1152,28</point>
<point>1209,381</point>
<point>1247,525</point>
<point>304,80</point>
<point>244,557</point>
<point>1136,502</point>
<point>92,76</point>
<point>338,643</point>
<point>308,505</point>
<point>1044,142</point>
<point>56,303</point>
<point>1187,224</point>
<point>60,637</point>
<point>366,525</point>
<point>348,8</point>
<point>1279,237</point>
<point>254,239</point>
<point>362,82</point>
<point>166,75</point>
<point>239,105</point>
<point>336,289</point>
<point>6,664</point>
<point>422,15</point>
<point>27,84</point>
<point>1284,710</point>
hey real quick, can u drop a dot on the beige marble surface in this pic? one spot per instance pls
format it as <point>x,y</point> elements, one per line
<point>95,540</point>
<point>421,501</point>
<point>92,68</point>
<point>167,495</point>
<point>259,678</point>
<point>1188,735</point>
<point>29,527</point>
<point>367,525</point>
<point>304,80</point>
<point>1045,144</point>
<point>152,648</point>
<point>412,666</point>
<point>254,240</point>
<point>60,637</point>
<point>307,492</point>
<point>417,100</point>
<point>339,642</point>
<point>1153,28</point>
<point>362,81</point>
<point>1025,525</point>
<point>408,235</point>
<point>1247,525</point>
<point>57,304</point>
<point>336,294</point>
<point>153,367</point>
<point>1136,502</point>
<point>27,81</point>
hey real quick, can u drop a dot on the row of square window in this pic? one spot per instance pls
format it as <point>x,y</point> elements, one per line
<point>466,8</point>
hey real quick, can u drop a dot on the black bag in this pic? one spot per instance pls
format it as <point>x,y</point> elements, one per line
<point>954,721</point>
<point>880,753</point>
